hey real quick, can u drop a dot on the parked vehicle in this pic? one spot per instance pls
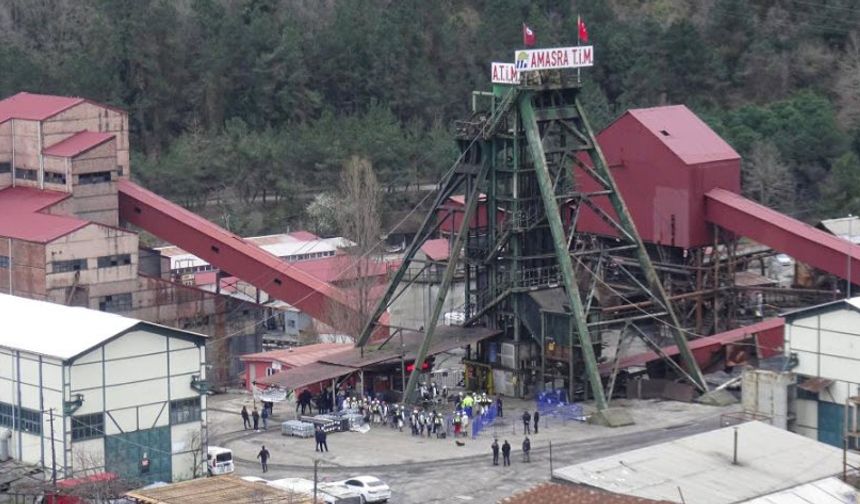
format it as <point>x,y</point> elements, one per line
<point>219,460</point>
<point>372,489</point>
<point>330,493</point>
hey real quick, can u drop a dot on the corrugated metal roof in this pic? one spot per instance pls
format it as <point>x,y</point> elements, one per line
<point>770,459</point>
<point>824,491</point>
<point>56,330</point>
<point>843,227</point>
<point>693,141</point>
<point>341,267</point>
<point>298,356</point>
<point>437,249</point>
<point>558,493</point>
<point>35,107</point>
<point>303,376</point>
<point>217,490</point>
<point>20,216</point>
<point>78,144</point>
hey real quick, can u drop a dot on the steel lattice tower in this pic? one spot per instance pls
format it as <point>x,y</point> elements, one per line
<point>525,158</point>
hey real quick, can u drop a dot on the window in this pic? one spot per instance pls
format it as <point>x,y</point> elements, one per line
<point>115,303</point>
<point>55,178</point>
<point>94,178</point>
<point>4,261</point>
<point>114,260</point>
<point>28,420</point>
<point>185,410</point>
<point>5,167</point>
<point>119,170</point>
<point>291,324</point>
<point>69,265</point>
<point>270,371</point>
<point>5,415</point>
<point>26,174</point>
<point>88,426</point>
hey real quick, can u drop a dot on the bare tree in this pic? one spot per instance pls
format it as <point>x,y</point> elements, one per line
<point>767,179</point>
<point>198,455</point>
<point>847,85</point>
<point>359,220</point>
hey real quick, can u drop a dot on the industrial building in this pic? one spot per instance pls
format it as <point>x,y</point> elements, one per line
<point>84,391</point>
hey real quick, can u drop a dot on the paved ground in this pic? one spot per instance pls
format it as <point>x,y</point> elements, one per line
<point>430,470</point>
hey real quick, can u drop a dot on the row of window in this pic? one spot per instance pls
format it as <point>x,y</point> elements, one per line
<point>305,257</point>
<point>23,419</point>
<point>92,425</point>
<point>58,178</point>
<point>81,264</point>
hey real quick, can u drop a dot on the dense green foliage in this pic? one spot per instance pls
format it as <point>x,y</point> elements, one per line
<point>238,102</point>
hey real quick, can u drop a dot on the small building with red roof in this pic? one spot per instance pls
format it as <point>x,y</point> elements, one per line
<point>260,365</point>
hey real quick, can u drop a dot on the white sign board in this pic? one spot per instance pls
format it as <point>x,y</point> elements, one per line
<point>554,58</point>
<point>505,73</point>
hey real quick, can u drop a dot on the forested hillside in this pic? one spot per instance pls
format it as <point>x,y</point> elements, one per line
<point>246,100</point>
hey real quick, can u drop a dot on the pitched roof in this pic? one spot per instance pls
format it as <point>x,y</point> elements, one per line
<point>676,126</point>
<point>62,331</point>
<point>20,215</point>
<point>554,493</point>
<point>770,459</point>
<point>35,107</point>
<point>298,356</point>
<point>342,267</point>
<point>437,249</point>
<point>78,144</point>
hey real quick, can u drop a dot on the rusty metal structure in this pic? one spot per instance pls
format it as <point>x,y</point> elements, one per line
<point>524,157</point>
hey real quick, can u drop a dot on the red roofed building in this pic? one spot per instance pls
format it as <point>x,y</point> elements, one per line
<point>664,160</point>
<point>260,365</point>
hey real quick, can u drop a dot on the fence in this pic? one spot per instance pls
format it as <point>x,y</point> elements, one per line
<point>554,403</point>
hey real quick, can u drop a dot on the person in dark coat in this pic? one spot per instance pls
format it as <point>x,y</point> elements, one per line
<point>318,438</point>
<point>495,447</point>
<point>499,405</point>
<point>537,418</point>
<point>256,417</point>
<point>323,442</point>
<point>264,458</point>
<point>506,453</point>
<point>527,447</point>
<point>246,419</point>
<point>527,420</point>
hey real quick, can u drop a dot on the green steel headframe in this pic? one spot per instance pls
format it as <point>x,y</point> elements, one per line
<point>526,158</point>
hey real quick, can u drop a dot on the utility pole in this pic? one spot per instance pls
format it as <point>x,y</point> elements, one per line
<point>850,247</point>
<point>316,465</point>
<point>53,451</point>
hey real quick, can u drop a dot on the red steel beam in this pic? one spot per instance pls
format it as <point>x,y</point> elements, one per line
<point>782,233</point>
<point>231,253</point>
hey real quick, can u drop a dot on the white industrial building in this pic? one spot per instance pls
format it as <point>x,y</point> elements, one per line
<point>824,341</point>
<point>125,396</point>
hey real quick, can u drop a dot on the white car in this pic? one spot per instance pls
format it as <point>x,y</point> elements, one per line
<point>371,488</point>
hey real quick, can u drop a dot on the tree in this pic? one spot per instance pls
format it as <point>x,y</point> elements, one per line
<point>841,190</point>
<point>767,179</point>
<point>322,214</point>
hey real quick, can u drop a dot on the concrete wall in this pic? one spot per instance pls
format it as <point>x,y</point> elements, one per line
<point>90,243</point>
<point>768,393</point>
<point>26,275</point>
<point>91,117</point>
<point>413,308</point>
<point>27,151</point>
<point>6,152</point>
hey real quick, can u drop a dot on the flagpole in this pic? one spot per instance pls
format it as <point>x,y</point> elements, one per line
<point>578,42</point>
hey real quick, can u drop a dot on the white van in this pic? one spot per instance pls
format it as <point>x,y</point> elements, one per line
<point>219,460</point>
<point>330,493</point>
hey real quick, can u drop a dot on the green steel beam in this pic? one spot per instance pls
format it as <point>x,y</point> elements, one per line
<point>553,215</point>
<point>447,278</point>
<point>602,168</point>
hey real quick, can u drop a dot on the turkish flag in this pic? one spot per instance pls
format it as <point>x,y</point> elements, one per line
<point>583,31</point>
<point>529,38</point>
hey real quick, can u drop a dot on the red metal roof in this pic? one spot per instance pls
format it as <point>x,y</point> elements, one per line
<point>78,144</point>
<point>20,215</point>
<point>298,356</point>
<point>715,341</point>
<point>437,249</point>
<point>341,267</point>
<point>693,141</point>
<point>35,107</point>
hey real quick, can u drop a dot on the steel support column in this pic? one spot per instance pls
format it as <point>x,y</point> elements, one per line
<point>553,216</point>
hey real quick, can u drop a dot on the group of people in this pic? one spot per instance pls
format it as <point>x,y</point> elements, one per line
<point>506,451</point>
<point>252,419</point>
<point>527,420</point>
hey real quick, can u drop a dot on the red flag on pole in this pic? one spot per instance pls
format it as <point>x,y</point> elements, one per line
<point>583,31</point>
<point>529,38</point>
